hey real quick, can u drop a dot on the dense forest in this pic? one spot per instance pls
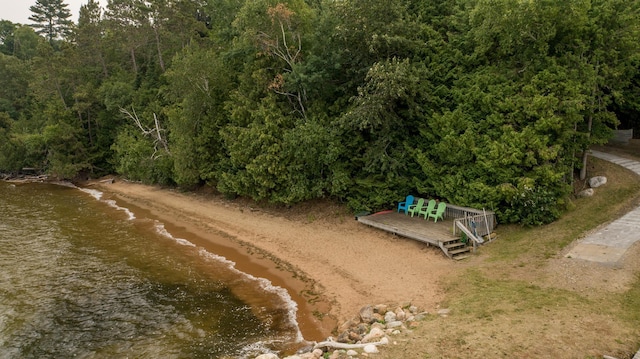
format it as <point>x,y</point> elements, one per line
<point>482,103</point>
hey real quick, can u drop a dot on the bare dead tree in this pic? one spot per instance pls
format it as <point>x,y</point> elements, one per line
<point>155,133</point>
<point>278,46</point>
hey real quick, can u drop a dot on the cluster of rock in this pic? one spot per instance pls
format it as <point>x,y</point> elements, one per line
<point>364,333</point>
<point>594,182</point>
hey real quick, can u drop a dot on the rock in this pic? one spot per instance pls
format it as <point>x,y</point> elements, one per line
<point>390,317</point>
<point>413,309</point>
<point>384,341</point>
<point>405,304</point>
<point>421,316</point>
<point>305,349</point>
<point>371,349</point>
<point>443,312</point>
<point>294,357</point>
<point>374,335</point>
<point>366,314</point>
<point>362,329</point>
<point>586,193</point>
<point>354,337</point>
<point>317,353</point>
<point>377,325</point>
<point>400,314</point>
<point>597,181</point>
<point>348,324</point>
<point>337,354</point>
<point>352,353</point>
<point>267,356</point>
<point>380,308</point>
<point>344,337</point>
<point>377,317</point>
<point>395,324</point>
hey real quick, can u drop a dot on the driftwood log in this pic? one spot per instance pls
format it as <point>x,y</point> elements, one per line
<point>338,345</point>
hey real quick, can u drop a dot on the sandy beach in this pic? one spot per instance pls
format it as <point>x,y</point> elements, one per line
<point>331,264</point>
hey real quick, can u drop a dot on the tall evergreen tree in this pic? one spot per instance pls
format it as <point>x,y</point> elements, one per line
<point>51,19</point>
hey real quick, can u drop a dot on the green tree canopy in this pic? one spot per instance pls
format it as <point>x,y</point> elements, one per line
<point>485,103</point>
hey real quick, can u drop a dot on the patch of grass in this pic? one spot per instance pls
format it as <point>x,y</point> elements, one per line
<point>483,297</point>
<point>630,301</point>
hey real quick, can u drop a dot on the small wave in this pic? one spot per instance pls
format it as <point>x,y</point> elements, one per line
<point>113,204</point>
<point>163,231</point>
<point>98,196</point>
<point>267,286</point>
<point>291,305</point>
<point>93,192</point>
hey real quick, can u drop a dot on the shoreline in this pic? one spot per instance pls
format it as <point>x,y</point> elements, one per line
<point>331,265</point>
<point>246,258</point>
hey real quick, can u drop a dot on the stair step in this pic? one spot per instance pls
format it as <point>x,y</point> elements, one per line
<point>453,245</point>
<point>458,251</point>
<point>453,241</point>
<point>460,257</point>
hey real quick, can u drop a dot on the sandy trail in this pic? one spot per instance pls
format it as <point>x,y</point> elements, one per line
<point>331,264</point>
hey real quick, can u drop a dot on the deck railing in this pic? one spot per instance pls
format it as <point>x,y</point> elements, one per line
<point>473,237</point>
<point>476,221</point>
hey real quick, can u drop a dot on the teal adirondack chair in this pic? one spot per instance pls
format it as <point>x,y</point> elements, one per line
<point>416,208</point>
<point>404,206</point>
<point>431,206</point>
<point>439,213</point>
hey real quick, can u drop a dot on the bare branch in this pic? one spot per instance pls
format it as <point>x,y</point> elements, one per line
<point>155,133</point>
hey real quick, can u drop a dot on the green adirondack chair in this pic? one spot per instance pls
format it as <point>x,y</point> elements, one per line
<point>431,206</point>
<point>439,213</point>
<point>415,208</point>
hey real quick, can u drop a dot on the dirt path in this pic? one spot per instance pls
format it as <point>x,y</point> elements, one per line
<point>341,261</point>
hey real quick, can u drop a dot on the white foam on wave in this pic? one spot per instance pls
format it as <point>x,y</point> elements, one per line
<point>93,192</point>
<point>267,286</point>
<point>113,204</point>
<point>163,231</point>
<point>98,196</point>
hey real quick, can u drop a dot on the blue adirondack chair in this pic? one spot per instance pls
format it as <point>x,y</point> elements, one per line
<point>439,213</point>
<point>404,206</point>
<point>416,208</point>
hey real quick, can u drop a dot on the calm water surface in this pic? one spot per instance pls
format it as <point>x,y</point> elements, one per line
<point>82,277</point>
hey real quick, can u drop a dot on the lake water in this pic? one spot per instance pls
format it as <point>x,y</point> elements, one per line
<point>82,277</point>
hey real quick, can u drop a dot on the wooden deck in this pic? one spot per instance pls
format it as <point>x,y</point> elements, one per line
<point>474,225</point>
<point>417,228</point>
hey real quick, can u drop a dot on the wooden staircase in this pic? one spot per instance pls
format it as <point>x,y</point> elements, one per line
<point>455,249</point>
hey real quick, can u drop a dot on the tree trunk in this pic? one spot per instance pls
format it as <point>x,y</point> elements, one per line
<point>585,153</point>
<point>160,60</point>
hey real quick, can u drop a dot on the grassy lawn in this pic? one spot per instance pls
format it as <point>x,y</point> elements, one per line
<point>521,298</point>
